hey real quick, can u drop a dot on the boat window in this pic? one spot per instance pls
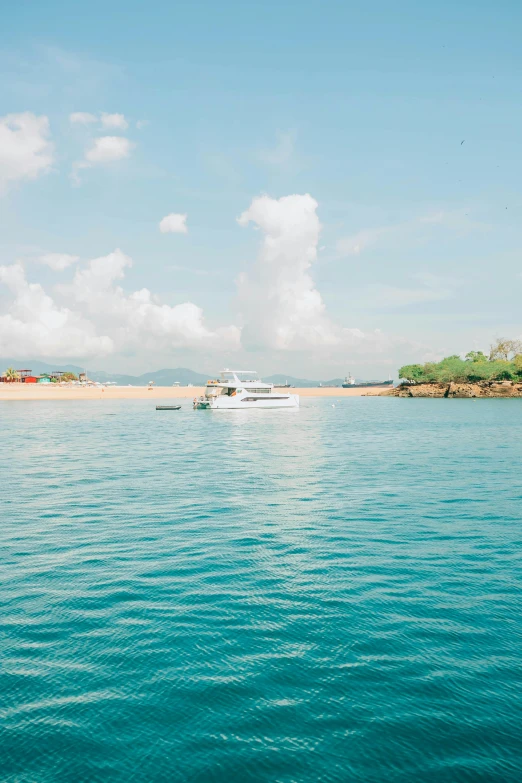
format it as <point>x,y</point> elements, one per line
<point>267,399</point>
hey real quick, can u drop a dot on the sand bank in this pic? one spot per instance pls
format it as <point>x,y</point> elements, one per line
<point>35,391</point>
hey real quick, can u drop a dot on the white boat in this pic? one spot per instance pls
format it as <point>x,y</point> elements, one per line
<point>237,389</point>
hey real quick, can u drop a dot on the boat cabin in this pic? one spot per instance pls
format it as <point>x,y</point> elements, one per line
<point>232,382</point>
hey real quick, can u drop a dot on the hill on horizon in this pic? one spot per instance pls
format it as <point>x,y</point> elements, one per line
<point>38,367</point>
<point>164,377</point>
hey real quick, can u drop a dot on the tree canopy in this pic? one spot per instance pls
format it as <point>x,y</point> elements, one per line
<point>505,349</point>
<point>504,363</point>
<point>11,374</point>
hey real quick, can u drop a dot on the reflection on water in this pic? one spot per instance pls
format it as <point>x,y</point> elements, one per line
<point>328,593</point>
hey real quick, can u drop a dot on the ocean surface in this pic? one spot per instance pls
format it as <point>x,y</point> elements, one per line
<point>323,594</point>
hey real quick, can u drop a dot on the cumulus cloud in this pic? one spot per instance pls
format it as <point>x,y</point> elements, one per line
<point>281,306</point>
<point>35,325</point>
<point>174,224</point>
<point>104,149</point>
<point>98,317</point>
<point>139,319</point>
<point>25,149</point>
<point>81,118</point>
<point>114,121</point>
<point>57,261</point>
<point>108,148</point>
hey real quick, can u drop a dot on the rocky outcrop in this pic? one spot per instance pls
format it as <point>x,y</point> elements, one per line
<point>456,390</point>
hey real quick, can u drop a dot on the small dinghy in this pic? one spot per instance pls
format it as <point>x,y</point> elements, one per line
<point>168,407</point>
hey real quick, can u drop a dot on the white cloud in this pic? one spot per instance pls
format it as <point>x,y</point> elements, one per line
<point>139,320</point>
<point>174,223</point>
<point>98,317</point>
<point>34,325</point>
<point>57,261</point>
<point>114,121</point>
<point>25,149</point>
<point>81,118</point>
<point>104,149</point>
<point>108,148</point>
<point>281,307</point>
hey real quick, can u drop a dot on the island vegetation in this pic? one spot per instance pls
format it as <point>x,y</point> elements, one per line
<point>504,363</point>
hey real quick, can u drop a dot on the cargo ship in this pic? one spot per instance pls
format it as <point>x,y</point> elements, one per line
<point>349,383</point>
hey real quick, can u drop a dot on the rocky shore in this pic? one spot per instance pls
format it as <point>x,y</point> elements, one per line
<point>454,390</point>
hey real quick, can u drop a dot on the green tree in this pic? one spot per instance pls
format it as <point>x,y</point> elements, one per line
<point>452,368</point>
<point>477,357</point>
<point>69,376</point>
<point>411,372</point>
<point>476,367</point>
<point>11,375</point>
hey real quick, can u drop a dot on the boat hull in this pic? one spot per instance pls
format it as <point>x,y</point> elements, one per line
<point>369,385</point>
<point>248,401</point>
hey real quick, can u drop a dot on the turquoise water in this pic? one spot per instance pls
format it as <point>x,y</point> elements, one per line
<point>327,594</point>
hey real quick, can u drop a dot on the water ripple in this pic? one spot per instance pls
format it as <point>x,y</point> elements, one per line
<point>329,594</point>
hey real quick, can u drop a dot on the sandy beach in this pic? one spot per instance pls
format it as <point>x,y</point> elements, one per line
<point>34,391</point>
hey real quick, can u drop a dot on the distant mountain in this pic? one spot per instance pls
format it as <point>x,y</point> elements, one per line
<point>284,379</point>
<point>160,377</point>
<point>38,367</point>
<point>186,376</point>
<point>333,382</point>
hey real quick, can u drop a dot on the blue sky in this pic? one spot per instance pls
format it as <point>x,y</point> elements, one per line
<point>363,106</point>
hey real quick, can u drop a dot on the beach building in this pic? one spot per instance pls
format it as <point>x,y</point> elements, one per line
<point>27,376</point>
<point>22,376</point>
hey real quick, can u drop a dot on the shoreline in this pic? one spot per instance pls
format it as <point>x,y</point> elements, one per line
<point>22,391</point>
<point>456,390</point>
